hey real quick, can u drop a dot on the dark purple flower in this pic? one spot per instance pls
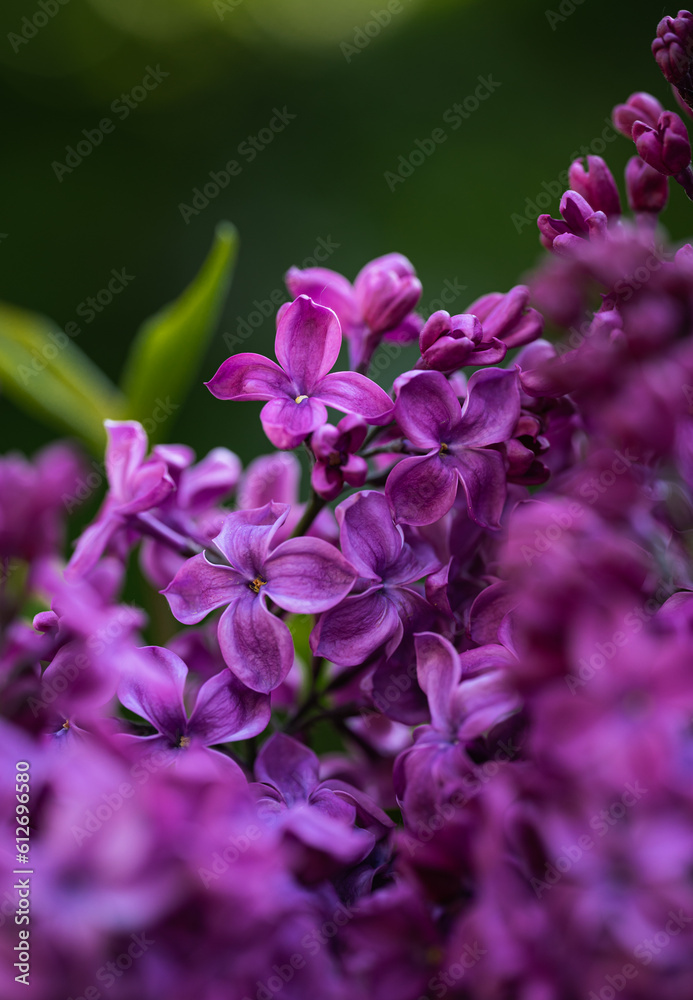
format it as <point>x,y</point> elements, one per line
<point>307,346</point>
<point>353,630</point>
<point>596,185</point>
<point>422,489</point>
<point>379,304</point>
<point>507,316</point>
<point>301,575</point>
<point>136,484</point>
<point>647,188</point>
<point>673,50</point>
<point>451,342</point>
<point>224,709</point>
<point>580,222</point>
<point>336,462</point>
<point>639,107</point>
<point>664,146</point>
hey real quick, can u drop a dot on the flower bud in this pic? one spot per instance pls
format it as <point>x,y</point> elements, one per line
<point>388,290</point>
<point>596,185</point>
<point>639,107</point>
<point>673,50</point>
<point>666,146</point>
<point>647,188</point>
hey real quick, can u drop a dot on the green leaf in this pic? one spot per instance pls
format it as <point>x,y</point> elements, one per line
<point>168,350</point>
<point>46,374</point>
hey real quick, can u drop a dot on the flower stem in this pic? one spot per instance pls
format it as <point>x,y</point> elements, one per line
<point>149,525</point>
<point>314,507</point>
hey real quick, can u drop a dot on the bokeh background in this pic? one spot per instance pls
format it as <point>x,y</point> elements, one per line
<point>560,67</point>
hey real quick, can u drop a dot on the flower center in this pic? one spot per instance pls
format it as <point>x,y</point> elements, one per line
<point>184,742</point>
<point>443,449</point>
<point>256,584</point>
<point>299,399</point>
<point>66,724</point>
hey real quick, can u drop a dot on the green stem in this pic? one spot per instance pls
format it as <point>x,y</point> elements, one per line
<point>314,507</point>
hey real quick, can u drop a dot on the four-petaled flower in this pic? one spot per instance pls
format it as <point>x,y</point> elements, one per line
<point>225,710</point>
<point>387,565</point>
<point>301,575</point>
<point>421,489</point>
<point>307,346</point>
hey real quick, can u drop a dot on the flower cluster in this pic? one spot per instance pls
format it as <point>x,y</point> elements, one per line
<point>427,731</point>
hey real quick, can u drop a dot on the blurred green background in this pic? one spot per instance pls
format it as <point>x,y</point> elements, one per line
<point>560,67</point>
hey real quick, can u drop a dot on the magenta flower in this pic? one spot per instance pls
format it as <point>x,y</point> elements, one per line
<point>641,107</point>
<point>421,489</point>
<point>335,460</point>
<point>301,575</point>
<point>378,305</point>
<point>356,628</point>
<point>664,146</point>
<point>307,345</point>
<point>579,222</point>
<point>136,484</point>
<point>647,188</point>
<point>673,50</point>
<point>596,185</point>
<point>224,709</point>
<point>451,342</point>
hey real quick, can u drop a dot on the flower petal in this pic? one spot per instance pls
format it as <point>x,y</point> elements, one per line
<point>482,473</point>
<point>199,587</point>
<point>351,392</point>
<point>427,410</point>
<point>125,452</point>
<point>270,477</point>
<point>288,422</point>
<point>308,341</point>
<point>308,575</point>
<point>326,288</point>
<point>356,628</point>
<point>249,376</point>
<point>246,537</point>
<point>369,538</point>
<point>257,647</point>
<point>491,410</point>
<point>210,480</point>
<point>290,766</point>
<point>228,710</point>
<point>156,693</point>
<point>91,545</point>
<point>421,490</point>
<point>439,672</point>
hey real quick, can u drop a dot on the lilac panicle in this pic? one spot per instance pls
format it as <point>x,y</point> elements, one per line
<point>301,575</point>
<point>302,385</point>
<point>456,441</point>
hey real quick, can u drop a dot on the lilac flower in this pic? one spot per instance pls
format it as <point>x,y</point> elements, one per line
<point>507,316</point>
<point>664,146</point>
<point>224,709</point>
<point>136,484</point>
<point>336,462</point>
<point>353,630</point>
<point>451,342</point>
<point>318,816</point>
<point>379,304</point>
<point>422,489</point>
<point>191,509</point>
<point>307,345</point>
<point>596,185</point>
<point>639,107</point>
<point>673,50</point>
<point>647,188</point>
<point>580,222</point>
<point>301,575</point>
